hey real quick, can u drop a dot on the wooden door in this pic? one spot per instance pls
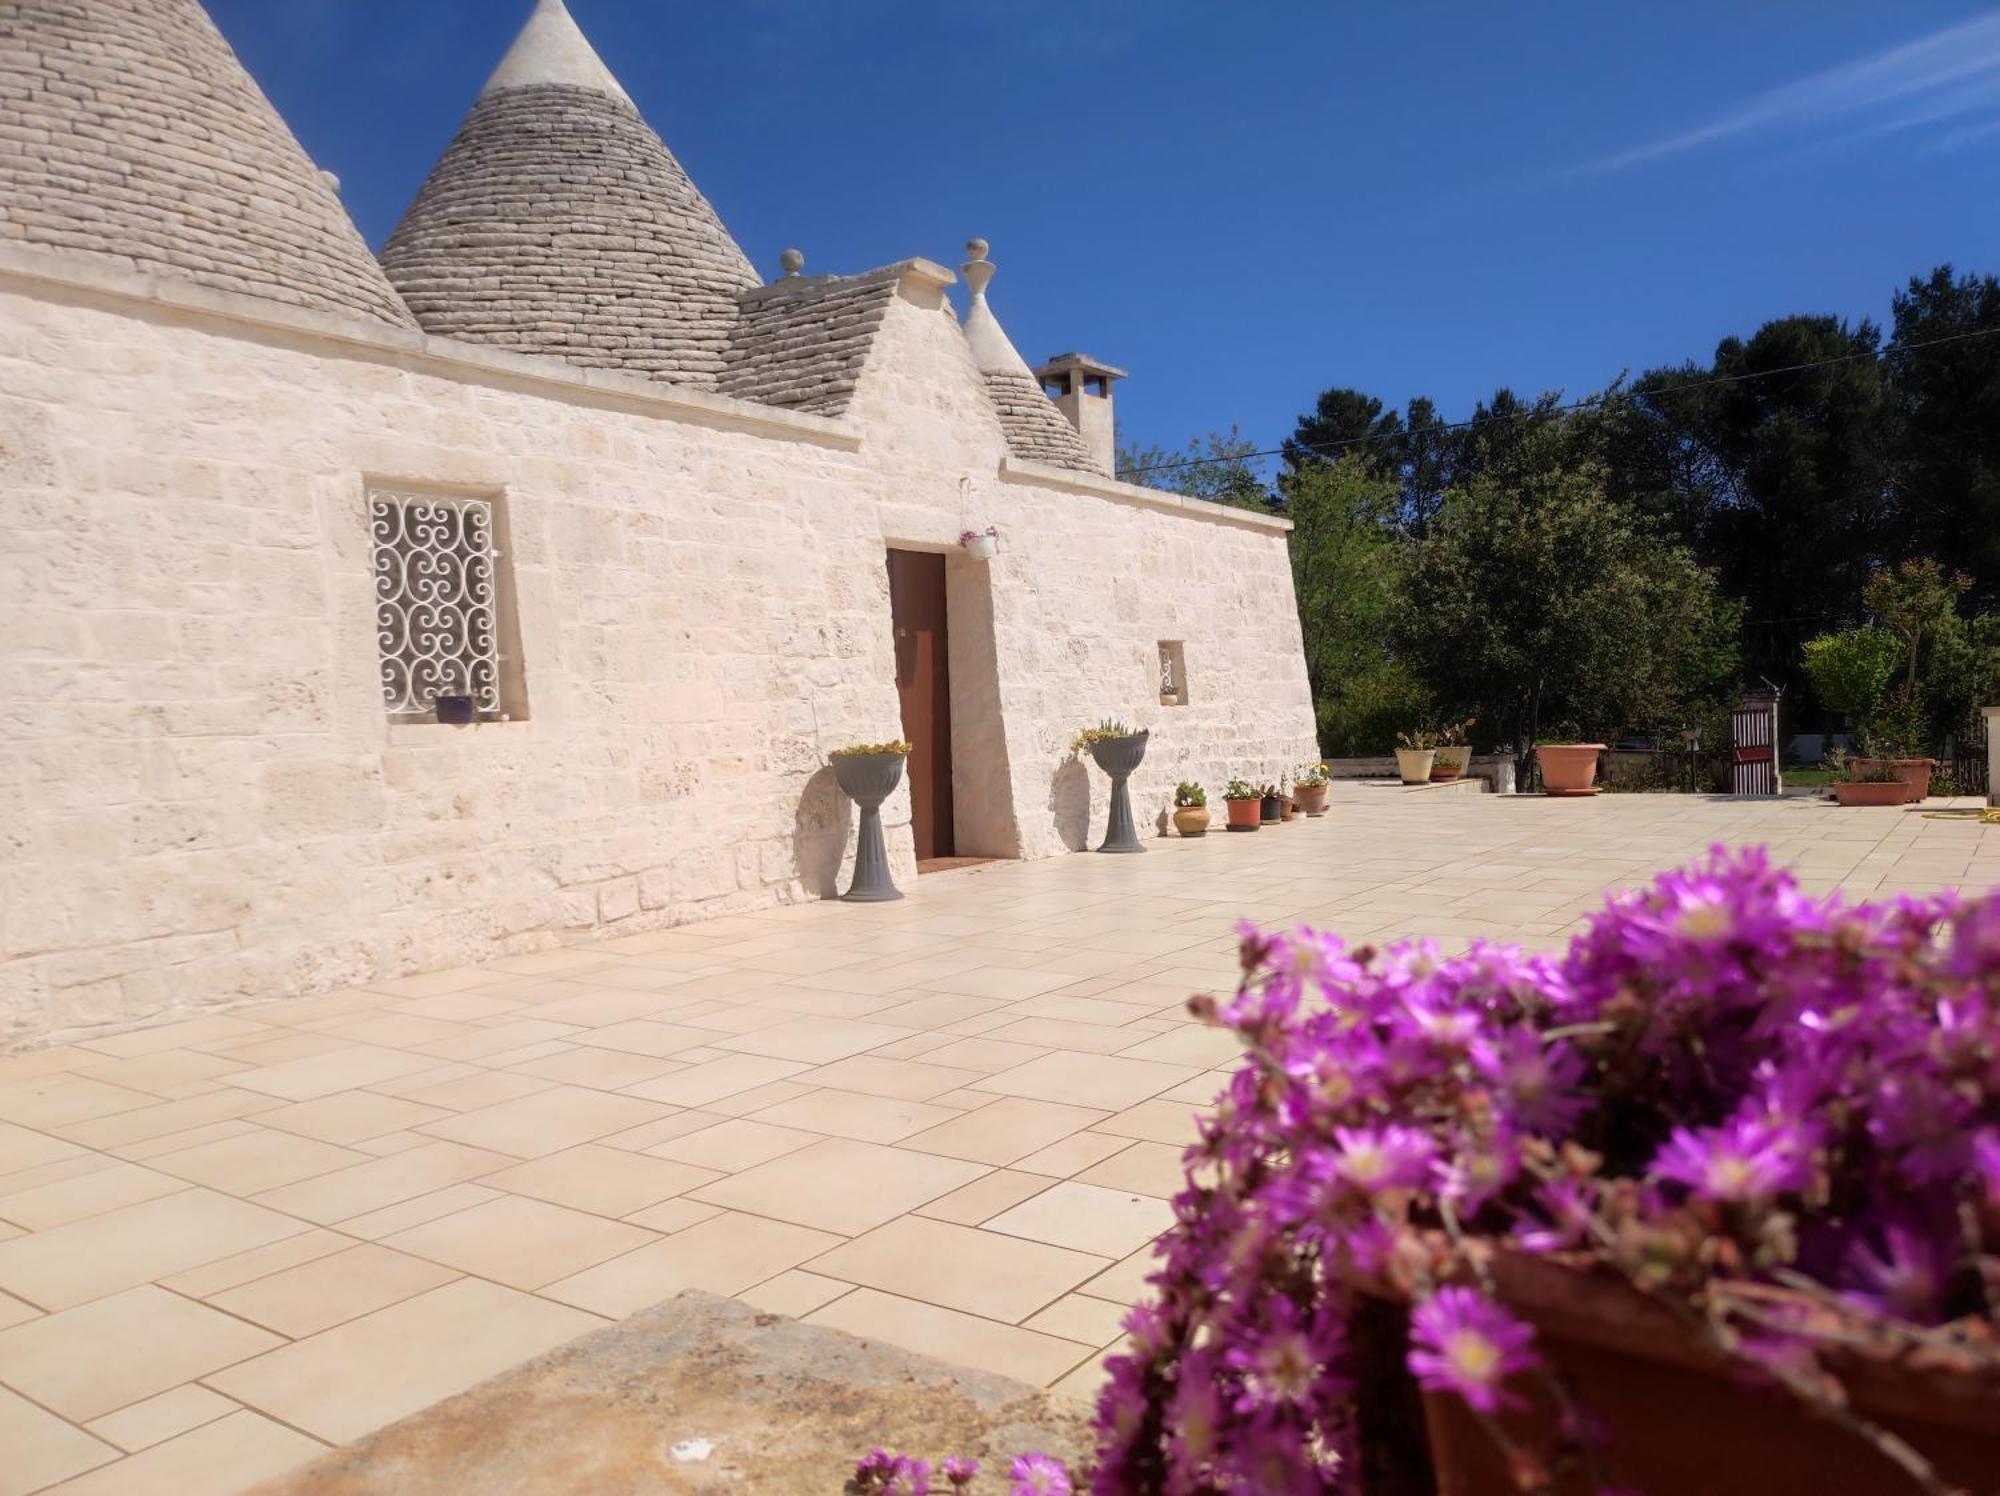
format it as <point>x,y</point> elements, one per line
<point>923,680</point>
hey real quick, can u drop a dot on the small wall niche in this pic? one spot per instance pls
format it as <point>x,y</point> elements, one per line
<point>1173,673</point>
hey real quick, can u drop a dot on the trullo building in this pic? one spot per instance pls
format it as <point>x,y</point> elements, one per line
<point>674,527</point>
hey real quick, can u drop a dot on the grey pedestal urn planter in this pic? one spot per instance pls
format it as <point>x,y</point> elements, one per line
<point>868,779</point>
<point>1118,757</point>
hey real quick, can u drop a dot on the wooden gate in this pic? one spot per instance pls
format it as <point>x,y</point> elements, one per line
<point>1967,763</point>
<point>1753,758</point>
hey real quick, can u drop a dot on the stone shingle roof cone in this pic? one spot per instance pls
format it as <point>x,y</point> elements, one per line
<point>1034,428</point>
<point>133,132</point>
<point>557,222</point>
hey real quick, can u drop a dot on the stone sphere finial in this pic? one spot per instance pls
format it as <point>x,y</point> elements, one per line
<point>976,249</point>
<point>977,269</point>
<point>792,261</point>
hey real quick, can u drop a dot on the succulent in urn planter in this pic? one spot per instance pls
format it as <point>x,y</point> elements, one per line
<point>1190,809</point>
<point>1309,788</point>
<point>1454,751</point>
<point>868,774</point>
<point>1415,753</point>
<point>1709,1203</point>
<point>1118,751</point>
<point>1245,802</point>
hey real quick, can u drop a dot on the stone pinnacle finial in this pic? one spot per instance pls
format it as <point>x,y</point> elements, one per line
<point>977,269</point>
<point>552,49</point>
<point>792,261</point>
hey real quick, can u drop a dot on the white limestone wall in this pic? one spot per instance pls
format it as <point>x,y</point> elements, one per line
<point>201,800</point>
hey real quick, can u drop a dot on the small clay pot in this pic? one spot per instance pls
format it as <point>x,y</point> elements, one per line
<point>1244,815</point>
<point>1191,820</point>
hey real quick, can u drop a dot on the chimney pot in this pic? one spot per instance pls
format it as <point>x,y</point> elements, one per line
<point>1081,387</point>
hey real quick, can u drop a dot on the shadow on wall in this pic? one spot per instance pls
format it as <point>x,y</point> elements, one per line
<point>819,834</point>
<point>1069,803</point>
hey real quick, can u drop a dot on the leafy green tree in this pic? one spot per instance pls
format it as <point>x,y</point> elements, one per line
<point>1914,599</point>
<point>1218,467</point>
<point>1850,670</point>
<point>1948,461</point>
<point>1346,561</point>
<point>1540,599</point>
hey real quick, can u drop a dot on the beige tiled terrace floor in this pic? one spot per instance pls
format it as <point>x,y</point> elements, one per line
<point>951,1123</point>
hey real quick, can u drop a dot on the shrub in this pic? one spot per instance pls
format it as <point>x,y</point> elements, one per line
<point>1188,795</point>
<point>1241,789</point>
<point>1850,671</point>
<point>1780,1115</point>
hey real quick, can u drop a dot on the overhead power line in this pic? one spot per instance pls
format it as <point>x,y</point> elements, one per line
<point>1326,448</point>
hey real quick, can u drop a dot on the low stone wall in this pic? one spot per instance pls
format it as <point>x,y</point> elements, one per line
<point>1496,769</point>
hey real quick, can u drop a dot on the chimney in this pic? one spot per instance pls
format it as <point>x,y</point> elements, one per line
<point>1081,387</point>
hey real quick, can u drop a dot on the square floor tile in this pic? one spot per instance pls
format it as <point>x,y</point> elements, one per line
<point>963,1339</point>
<point>601,1069</point>
<point>462,1088</point>
<point>850,1114</point>
<point>840,1185</point>
<point>350,1380</point>
<point>959,1267</point>
<point>520,1242</point>
<point>904,1080</point>
<point>1143,1169</point>
<point>49,1101</point>
<point>985,1197</point>
<point>984,1055</point>
<point>349,1117</point>
<point>606,1181</point>
<point>726,1254</point>
<point>379,1183</point>
<point>1010,1128</point>
<point>87,1361</point>
<point>1189,1044</point>
<point>735,1144</point>
<point>716,1080</point>
<point>333,1070</point>
<point>85,1194</point>
<point>1088,1218</point>
<point>256,1161</point>
<point>317,1295</point>
<point>817,1041</point>
<point>794,1294</point>
<point>213,1460</point>
<point>134,1244</point>
<point>1087,1080</point>
<point>41,1449</point>
<point>645,1037</point>
<point>546,1122</point>
<point>158,1418</point>
<point>1072,1155</point>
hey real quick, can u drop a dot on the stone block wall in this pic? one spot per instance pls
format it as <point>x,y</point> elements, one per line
<point>204,802</point>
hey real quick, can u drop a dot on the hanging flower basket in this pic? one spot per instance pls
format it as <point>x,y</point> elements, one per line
<point>981,545</point>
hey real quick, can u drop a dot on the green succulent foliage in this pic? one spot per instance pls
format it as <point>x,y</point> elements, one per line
<point>1188,795</point>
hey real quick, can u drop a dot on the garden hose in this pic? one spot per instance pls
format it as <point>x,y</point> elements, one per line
<point>1987,816</point>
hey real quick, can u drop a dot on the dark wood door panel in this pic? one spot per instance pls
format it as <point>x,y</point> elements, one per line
<point>923,682</point>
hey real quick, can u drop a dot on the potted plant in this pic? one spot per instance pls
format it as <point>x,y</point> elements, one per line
<point>981,545</point>
<point>1286,804</point>
<point>1454,754</point>
<point>1872,781</point>
<point>1245,805</point>
<point>1709,1204</point>
<point>1415,753</point>
<point>1568,768</point>
<point>1117,750</point>
<point>1190,809</point>
<point>1310,788</point>
<point>868,774</point>
<point>1268,810</point>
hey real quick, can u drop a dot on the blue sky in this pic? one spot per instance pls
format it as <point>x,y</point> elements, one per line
<point>1244,203</point>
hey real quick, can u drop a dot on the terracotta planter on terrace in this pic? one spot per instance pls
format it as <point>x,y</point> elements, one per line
<point>1916,773</point>
<point>1311,798</point>
<point>1872,792</point>
<point>1191,820</point>
<point>1569,768</point>
<point>1245,815</point>
<point>1682,1422</point>
<point>1286,805</point>
<point>1452,762</point>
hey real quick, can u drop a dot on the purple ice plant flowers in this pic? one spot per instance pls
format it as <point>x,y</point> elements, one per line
<point>1463,1342</point>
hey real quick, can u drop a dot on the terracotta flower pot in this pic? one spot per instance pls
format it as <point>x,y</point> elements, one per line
<point>1916,773</point>
<point>1245,815</point>
<point>1286,806</point>
<point>1569,768</point>
<point>1414,764</point>
<point>1452,762</point>
<point>1191,820</point>
<point>1311,798</point>
<point>1679,1421</point>
<point>1872,792</point>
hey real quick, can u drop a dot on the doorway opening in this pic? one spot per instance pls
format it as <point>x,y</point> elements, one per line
<point>918,615</point>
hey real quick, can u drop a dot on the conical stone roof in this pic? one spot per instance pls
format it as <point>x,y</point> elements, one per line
<point>557,222</point>
<point>129,129</point>
<point>1034,428</point>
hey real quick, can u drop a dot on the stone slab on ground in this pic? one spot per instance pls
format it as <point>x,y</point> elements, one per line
<point>787,1406</point>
